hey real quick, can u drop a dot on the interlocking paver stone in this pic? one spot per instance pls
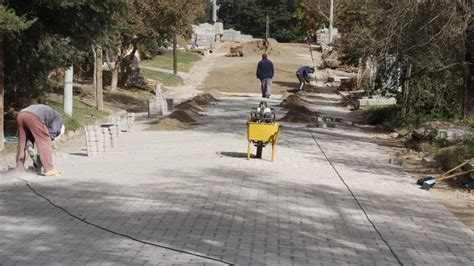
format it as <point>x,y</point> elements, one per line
<point>195,191</point>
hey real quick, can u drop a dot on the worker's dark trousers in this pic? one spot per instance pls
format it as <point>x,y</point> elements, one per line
<point>301,80</point>
<point>30,127</point>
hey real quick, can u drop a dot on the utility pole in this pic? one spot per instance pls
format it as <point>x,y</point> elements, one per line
<point>331,19</point>
<point>68,96</point>
<point>214,11</point>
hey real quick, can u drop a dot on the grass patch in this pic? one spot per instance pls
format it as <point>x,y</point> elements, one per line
<point>164,78</point>
<point>82,114</point>
<point>185,61</point>
<point>130,99</point>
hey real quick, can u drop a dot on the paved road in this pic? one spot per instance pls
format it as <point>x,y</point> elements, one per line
<point>191,197</point>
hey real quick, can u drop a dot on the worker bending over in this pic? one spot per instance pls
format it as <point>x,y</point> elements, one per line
<point>303,76</point>
<point>38,124</point>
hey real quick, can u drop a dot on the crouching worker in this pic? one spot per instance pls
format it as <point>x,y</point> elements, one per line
<point>303,76</point>
<point>38,124</point>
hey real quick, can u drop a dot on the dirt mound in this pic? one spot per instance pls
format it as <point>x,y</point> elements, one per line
<point>300,114</point>
<point>204,99</point>
<point>191,107</point>
<point>182,116</point>
<point>293,102</point>
<point>169,124</point>
<point>257,47</point>
<point>298,111</point>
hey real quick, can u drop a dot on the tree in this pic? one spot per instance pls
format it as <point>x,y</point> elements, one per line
<point>180,15</point>
<point>434,37</point>
<point>9,23</point>
<point>316,14</point>
<point>250,17</point>
<point>468,95</point>
<point>119,40</point>
<point>62,34</point>
<point>161,21</point>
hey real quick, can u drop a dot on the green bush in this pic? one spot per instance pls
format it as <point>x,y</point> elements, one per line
<point>389,116</point>
<point>453,155</point>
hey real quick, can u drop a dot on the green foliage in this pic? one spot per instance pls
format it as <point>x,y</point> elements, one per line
<point>162,77</point>
<point>185,61</point>
<point>455,154</point>
<point>10,22</point>
<point>428,35</point>
<point>391,118</point>
<point>82,114</point>
<point>62,33</point>
<point>250,18</point>
<point>388,116</point>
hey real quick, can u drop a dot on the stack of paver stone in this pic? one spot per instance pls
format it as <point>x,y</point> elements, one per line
<point>377,101</point>
<point>130,122</point>
<point>157,105</point>
<point>232,35</point>
<point>205,35</point>
<point>94,140</point>
<point>218,28</point>
<point>322,37</point>
<point>102,138</point>
<point>246,38</point>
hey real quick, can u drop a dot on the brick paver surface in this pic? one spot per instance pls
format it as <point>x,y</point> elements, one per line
<point>195,191</point>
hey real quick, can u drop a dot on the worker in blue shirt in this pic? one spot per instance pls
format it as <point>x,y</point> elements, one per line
<point>303,76</point>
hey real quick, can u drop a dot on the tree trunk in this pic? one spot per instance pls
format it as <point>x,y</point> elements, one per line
<point>129,64</point>
<point>406,92</point>
<point>175,56</point>
<point>468,91</point>
<point>114,70</point>
<point>1,92</point>
<point>94,77</point>
<point>114,81</point>
<point>99,91</point>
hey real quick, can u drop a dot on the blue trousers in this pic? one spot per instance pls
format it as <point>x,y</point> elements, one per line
<point>266,86</point>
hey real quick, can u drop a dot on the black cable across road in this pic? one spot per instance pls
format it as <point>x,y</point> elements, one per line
<point>120,234</point>
<point>355,198</point>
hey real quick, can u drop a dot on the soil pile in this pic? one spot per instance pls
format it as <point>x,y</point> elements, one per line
<point>300,114</point>
<point>191,107</point>
<point>298,111</point>
<point>293,101</point>
<point>257,47</point>
<point>204,99</point>
<point>183,116</point>
<point>168,124</point>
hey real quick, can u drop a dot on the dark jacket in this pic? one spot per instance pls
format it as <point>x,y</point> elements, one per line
<point>48,116</point>
<point>265,69</point>
<point>303,72</point>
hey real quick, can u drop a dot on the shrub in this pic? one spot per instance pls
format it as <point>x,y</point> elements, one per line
<point>453,155</point>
